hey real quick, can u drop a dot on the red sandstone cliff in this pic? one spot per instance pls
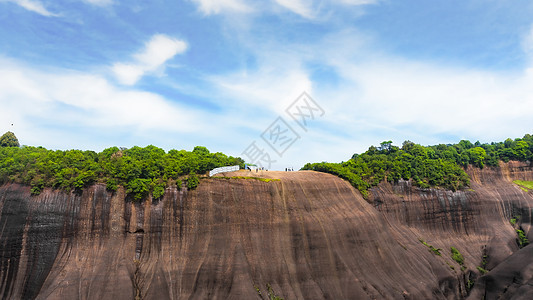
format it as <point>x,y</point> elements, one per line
<point>309,236</point>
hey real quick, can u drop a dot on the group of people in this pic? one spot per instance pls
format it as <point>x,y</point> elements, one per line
<point>256,169</point>
<point>263,169</point>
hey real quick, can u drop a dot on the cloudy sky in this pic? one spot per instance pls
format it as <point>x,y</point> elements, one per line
<point>90,74</point>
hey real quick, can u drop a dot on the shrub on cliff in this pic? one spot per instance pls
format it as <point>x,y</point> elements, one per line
<point>457,256</point>
<point>522,239</point>
<point>192,181</point>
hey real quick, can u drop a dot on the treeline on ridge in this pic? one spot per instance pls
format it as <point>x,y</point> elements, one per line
<point>426,166</point>
<point>140,170</point>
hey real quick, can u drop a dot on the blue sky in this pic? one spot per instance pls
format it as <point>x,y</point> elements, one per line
<point>90,74</point>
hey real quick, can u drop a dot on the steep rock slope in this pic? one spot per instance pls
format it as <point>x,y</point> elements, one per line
<point>475,221</point>
<point>308,236</point>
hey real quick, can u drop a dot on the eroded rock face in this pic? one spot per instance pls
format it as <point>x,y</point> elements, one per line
<point>308,236</point>
<point>475,221</point>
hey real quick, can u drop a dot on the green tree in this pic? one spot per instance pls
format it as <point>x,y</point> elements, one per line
<point>477,156</point>
<point>385,145</point>
<point>465,145</point>
<point>520,150</point>
<point>200,150</point>
<point>9,140</point>
<point>139,170</point>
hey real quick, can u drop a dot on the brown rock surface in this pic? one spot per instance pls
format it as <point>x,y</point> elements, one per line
<point>309,236</point>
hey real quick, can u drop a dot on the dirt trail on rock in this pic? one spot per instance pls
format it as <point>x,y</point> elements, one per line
<point>307,235</point>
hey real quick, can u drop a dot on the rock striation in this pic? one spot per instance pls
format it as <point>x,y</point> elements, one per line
<point>307,236</point>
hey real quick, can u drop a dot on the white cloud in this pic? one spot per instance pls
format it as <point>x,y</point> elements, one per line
<point>99,2</point>
<point>156,53</point>
<point>409,98</point>
<point>34,6</point>
<point>527,42</point>
<point>310,8</point>
<point>357,2</point>
<point>376,96</point>
<point>300,7</point>
<point>268,88</point>
<point>63,100</point>
<point>210,7</point>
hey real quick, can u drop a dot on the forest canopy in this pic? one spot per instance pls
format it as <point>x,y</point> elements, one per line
<point>426,166</point>
<point>140,170</point>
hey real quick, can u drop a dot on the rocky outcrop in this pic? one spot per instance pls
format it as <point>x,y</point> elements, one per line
<point>308,236</point>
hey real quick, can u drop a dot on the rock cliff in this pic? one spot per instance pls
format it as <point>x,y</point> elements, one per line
<point>307,236</point>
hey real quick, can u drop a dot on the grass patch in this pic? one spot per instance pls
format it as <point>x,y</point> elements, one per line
<point>524,185</point>
<point>470,284</point>
<point>435,251</point>
<point>271,294</point>
<point>258,291</point>
<point>451,266</point>
<point>482,270</point>
<point>522,239</point>
<point>457,256</point>
<point>249,177</point>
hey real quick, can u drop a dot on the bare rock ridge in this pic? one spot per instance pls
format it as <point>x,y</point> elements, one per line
<point>308,236</point>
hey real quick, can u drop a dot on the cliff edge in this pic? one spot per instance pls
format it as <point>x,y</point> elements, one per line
<point>308,235</point>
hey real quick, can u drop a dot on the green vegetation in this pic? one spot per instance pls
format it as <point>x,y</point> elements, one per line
<point>470,284</point>
<point>140,171</point>
<point>271,294</point>
<point>258,290</point>
<point>248,177</point>
<point>435,251</point>
<point>192,181</point>
<point>522,239</point>
<point>524,185</point>
<point>426,166</point>
<point>9,139</point>
<point>483,262</point>
<point>449,265</point>
<point>457,256</point>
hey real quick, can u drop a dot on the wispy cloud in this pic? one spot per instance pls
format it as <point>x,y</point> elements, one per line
<point>64,99</point>
<point>424,99</point>
<point>527,42</point>
<point>99,2</point>
<point>378,96</point>
<point>308,9</point>
<point>153,57</point>
<point>34,6</point>
<point>311,9</point>
<point>300,7</point>
<point>210,7</point>
<point>357,2</point>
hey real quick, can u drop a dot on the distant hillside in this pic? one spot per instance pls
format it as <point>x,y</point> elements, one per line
<point>427,166</point>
